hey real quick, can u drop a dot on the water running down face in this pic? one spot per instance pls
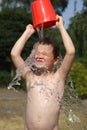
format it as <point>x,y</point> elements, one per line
<point>44,57</point>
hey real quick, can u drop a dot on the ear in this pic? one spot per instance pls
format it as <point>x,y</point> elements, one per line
<point>56,60</point>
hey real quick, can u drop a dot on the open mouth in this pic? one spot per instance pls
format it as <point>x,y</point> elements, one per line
<point>40,63</point>
<point>40,60</point>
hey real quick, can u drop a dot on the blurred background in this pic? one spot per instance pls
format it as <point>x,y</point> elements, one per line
<point>14,16</point>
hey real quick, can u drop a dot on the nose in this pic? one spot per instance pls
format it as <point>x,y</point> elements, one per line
<point>39,55</point>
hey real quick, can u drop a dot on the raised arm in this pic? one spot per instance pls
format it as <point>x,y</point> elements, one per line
<point>19,45</point>
<point>69,47</point>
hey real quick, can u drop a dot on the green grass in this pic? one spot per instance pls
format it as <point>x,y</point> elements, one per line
<point>12,113</point>
<point>17,123</point>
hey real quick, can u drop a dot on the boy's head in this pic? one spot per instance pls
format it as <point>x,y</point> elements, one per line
<point>53,43</point>
<point>47,53</point>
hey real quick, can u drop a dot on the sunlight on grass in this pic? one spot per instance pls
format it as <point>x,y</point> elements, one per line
<point>12,112</point>
<point>13,123</point>
<point>65,124</point>
<point>17,123</point>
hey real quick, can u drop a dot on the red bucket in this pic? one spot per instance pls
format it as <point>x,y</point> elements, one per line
<point>43,13</point>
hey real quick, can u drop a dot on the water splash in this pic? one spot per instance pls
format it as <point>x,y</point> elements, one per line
<point>15,82</point>
<point>72,117</point>
<point>29,64</point>
<point>73,108</point>
<point>71,103</point>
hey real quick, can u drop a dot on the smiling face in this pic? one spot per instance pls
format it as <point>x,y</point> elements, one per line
<point>44,57</point>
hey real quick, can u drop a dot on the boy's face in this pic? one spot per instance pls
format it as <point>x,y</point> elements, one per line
<point>44,57</point>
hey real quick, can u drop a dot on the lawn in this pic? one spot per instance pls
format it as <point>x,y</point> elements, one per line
<point>12,111</point>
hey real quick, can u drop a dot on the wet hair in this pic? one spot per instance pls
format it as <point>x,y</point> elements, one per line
<point>53,43</point>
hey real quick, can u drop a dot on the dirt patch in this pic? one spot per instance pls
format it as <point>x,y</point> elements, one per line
<point>12,103</point>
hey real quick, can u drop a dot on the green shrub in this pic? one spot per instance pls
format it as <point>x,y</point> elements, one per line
<point>79,78</point>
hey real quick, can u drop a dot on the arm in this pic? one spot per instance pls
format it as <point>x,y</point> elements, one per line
<point>19,45</point>
<point>69,47</point>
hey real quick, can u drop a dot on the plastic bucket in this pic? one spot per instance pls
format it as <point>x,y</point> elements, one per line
<point>43,13</point>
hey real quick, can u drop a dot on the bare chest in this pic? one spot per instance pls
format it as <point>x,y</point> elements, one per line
<point>46,89</point>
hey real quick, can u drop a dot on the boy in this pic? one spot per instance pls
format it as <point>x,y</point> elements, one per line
<point>44,91</point>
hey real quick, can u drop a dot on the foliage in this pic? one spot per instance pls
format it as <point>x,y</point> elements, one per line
<point>12,25</point>
<point>5,78</point>
<point>79,78</point>
<point>78,31</point>
<point>58,5</point>
<point>85,3</point>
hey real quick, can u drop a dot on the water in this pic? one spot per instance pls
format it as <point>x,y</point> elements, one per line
<point>40,31</point>
<point>72,117</point>
<point>30,62</point>
<point>71,104</point>
<point>73,108</point>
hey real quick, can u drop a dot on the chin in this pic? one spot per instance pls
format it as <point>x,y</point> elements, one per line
<point>40,67</point>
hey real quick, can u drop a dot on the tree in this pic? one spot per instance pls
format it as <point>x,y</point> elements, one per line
<point>12,24</point>
<point>85,3</point>
<point>59,5</point>
<point>78,31</point>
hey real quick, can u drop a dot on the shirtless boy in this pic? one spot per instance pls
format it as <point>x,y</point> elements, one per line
<point>44,91</point>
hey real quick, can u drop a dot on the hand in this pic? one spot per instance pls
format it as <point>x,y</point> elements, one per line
<point>59,21</point>
<point>30,29</point>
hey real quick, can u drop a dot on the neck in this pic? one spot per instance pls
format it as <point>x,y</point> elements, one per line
<point>40,71</point>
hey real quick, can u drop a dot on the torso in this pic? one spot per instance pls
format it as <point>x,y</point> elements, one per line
<point>44,95</point>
